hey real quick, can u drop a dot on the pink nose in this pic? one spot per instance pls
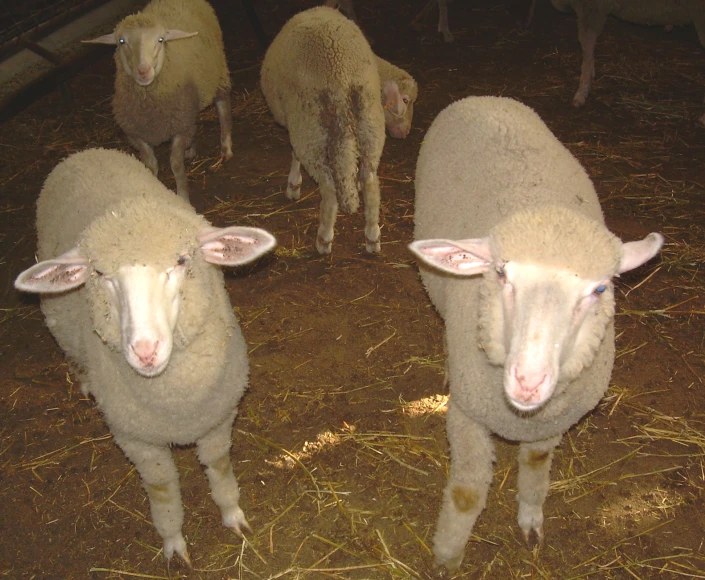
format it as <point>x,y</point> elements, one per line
<point>146,350</point>
<point>143,70</point>
<point>528,385</point>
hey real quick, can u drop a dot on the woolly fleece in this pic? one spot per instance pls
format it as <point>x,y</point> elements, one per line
<point>320,80</point>
<point>501,172</point>
<point>93,199</point>
<point>194,70</point>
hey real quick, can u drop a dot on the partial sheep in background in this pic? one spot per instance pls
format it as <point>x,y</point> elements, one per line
<point>170,65</point>
<point>324,84</point>
<point>133,293</point>
<point>530,343</point>
<point>592,15</point>
<point>442,18</point>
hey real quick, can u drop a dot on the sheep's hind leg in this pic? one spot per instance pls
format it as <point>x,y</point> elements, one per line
<point>179,145</point>
<point>293,184</point>
<point>329,211</point>
<point>225,116</point>
<point>369,184</point>
<point>534,480</point>
<point>146,154</point>
<point>214,453</point>
<point>465,495</point>
<point>161,481</point>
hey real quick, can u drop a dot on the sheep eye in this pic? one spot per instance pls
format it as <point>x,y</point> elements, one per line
<point>500,271</point>
<point>161,39</point>
<point>600,289</point>
<point>121,41</point>
<point>181,261</point>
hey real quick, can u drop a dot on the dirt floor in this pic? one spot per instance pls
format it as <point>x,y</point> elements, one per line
<point>340,447</point>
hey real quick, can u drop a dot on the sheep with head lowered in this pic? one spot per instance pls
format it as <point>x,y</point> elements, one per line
<point>171,65</point>
<point>592,15</point>
<point>323,83</point>
<point>530,342</point>
<point>132,291</point>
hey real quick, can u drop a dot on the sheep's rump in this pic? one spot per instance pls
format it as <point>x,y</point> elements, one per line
<point>329,100</point>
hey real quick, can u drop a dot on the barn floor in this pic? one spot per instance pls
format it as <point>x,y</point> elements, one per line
<point>340,447</point>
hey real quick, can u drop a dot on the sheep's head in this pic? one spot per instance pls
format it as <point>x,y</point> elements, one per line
<point>147,275</point>
<point>140,46</point>
<point>398,102</point>
<point>548,296</point>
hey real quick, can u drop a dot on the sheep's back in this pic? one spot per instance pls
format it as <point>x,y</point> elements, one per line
<point>317,50</point>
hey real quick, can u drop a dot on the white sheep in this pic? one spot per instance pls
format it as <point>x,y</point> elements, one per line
<point>323,83</point>
<point>530,344</point>
<point>170,65</point>
<point>131,294</point>
<point>592,15</point>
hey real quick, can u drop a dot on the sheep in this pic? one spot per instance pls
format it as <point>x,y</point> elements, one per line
<point>442,18</point>
<point>592,15</point>
<point>323,83</point>
<point>530,344</point>
<point>163,81</point>
<point>131,290</point>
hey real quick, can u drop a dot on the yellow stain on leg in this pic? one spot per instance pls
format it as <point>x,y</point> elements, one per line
<point>464,498</point>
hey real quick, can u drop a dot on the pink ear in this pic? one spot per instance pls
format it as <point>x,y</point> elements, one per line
<point>66,272</point>
<point>461,257</point>
<point>235,246</point>
<point>392,98</point>
<point>106,39</point>
<point>634,254</point>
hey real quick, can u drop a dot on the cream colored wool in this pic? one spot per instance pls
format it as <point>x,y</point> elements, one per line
<point>323,83</point>
<point>118,214</point>
<point>489,166</point>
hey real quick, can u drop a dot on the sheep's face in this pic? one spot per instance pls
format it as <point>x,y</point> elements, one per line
<point>145,301</point>
<point>398,103</point>
<point>550,320</point>
<point>140,46</point>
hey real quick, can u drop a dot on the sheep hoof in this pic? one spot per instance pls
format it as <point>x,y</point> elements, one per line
<point>324,247</point>
<point>579,100</point>
<point>226,151</point>
<point>373,247</point>
<point>176,544</point>
<point>235,519</point>
<point>533,537</point>
<point>448,37</point>
<point>448,564</point>
<point>293,190</point>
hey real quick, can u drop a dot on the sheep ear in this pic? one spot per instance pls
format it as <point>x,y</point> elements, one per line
<point>460,257</point>
<point>177,34</point>
<point>637,253</point>
<point>66,272</point>
<point>235,246</point>
<point>393,100</point>
<point>106,39</point>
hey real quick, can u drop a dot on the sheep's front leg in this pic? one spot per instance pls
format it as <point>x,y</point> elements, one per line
<point>146,154</point>
<point>329,211</point>
<point>534,481</point>
<point>214,454</point>
<point>369,184</point>
<point>225,116</point>
<point>591,21</point>
<point>293,185</point>
<point>465,495</point>
<point>161,481</point>
<point>179,144</point>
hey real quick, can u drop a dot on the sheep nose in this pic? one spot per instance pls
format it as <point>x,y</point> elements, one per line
<point>146,350</point>
<point>528,384</point>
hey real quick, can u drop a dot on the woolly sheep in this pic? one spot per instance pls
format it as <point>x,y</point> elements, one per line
<point>592,15</point>
<point>170,65</point>
<point>323,83</point>
<point>530,344</point>
<point>130,293</point>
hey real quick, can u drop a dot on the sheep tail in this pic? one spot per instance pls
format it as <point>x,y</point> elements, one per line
<point>341,149</point>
